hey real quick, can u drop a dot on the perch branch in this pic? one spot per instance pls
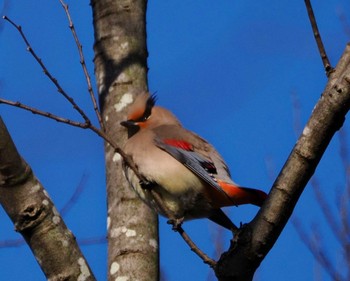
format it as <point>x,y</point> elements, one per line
<point>241,261</point>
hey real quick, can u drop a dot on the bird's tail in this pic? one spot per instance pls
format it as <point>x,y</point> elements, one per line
<point>241,195</point>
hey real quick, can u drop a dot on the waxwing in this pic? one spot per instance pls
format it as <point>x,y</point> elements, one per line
<point>188,174</point>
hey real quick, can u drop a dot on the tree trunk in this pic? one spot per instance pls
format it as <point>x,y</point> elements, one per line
<point>121,73</point>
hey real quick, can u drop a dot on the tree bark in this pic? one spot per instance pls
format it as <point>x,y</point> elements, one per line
<point>36,218</point>
<point>256,239</point>
<point>121,73</point>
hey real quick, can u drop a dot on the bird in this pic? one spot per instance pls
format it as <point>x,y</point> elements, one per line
<point>187,173</point>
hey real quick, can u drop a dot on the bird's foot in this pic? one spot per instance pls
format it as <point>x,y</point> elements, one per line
<point>176,223</point>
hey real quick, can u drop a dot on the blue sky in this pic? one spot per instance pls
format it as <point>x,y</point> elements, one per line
<point>227,69</point>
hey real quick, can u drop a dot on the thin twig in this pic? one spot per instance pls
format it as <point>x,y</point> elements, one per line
<point>178,228</point>
<point>83,64</point>
<point>47,73</point>
<point>194,247</point>
<point>45,114</point>
<point>326,64</point>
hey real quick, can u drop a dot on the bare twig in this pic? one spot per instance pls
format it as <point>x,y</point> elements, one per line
<point>327,66</point>
<point>178,228</point>
<point>47,73</point>
<point>45,114</point>
<point>194,248</point>
<point>83,64</point>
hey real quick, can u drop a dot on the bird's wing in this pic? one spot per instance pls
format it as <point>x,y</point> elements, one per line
<point>191,157</point>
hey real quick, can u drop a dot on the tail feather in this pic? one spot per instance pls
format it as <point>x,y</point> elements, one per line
<point>240,195</point>
<point>254,196</point>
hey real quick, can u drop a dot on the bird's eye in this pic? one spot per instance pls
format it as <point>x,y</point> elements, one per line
<point>145,118</point>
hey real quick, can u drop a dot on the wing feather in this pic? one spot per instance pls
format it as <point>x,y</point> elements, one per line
<point>201,167</point>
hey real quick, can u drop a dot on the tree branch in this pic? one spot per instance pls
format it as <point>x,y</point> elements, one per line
<point>257,238</point>
<point>326,64</point>
<point>178,228</point>
<point>36,218</point>
<point>45,114</point>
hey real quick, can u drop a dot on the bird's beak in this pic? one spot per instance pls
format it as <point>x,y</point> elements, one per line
<point>132,127</point>
<point>128,124</point>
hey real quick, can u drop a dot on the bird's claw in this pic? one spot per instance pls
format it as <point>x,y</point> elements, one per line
<point>176,223</point>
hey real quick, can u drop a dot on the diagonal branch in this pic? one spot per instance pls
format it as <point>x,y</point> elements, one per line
<point>258,237</point>
<point>178,228</point>
<point>36,218</point>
